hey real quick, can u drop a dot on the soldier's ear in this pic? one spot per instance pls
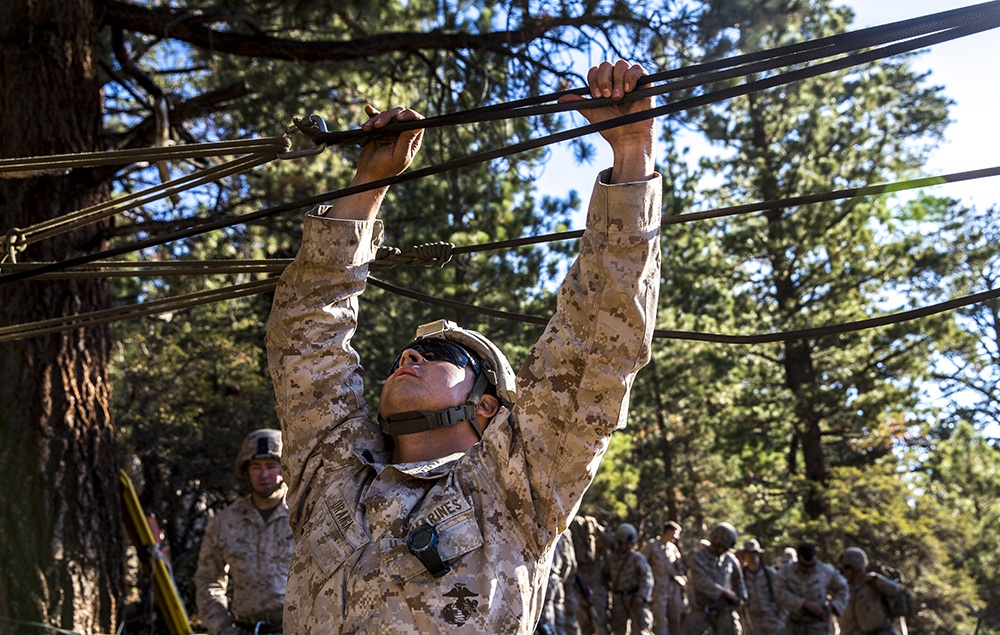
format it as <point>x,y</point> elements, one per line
<point>488,406</point>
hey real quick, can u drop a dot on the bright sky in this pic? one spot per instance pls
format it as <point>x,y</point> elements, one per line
<point>968,70</point>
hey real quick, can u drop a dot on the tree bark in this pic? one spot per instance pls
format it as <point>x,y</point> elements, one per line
<point>61,542</point>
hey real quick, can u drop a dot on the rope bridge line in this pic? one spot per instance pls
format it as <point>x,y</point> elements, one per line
<point>439,254</point>
<point>920,32</point>
<point>958,23</point>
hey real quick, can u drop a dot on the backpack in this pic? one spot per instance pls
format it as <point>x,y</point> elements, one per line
<point>900,605</point>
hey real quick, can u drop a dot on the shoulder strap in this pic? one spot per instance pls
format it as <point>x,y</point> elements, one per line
<point>770,584</point>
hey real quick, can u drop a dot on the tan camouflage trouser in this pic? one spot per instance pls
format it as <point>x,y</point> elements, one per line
<point>720,623</point>
<point>599,598</point>
<point>625,620</point>
<point>668,613</point>
<point>812,627</point>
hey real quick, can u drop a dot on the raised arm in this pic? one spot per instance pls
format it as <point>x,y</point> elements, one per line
<point>632,144</point>
<point>316,373</point>
<point>382,158</point>
<point>573,389</point>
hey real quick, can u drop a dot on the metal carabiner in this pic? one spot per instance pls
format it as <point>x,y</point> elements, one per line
<point>313,121</point>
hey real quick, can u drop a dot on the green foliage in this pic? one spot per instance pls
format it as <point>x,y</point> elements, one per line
<point>963,476</point>
<point>804,440</point>
<point>908,532</point>
<point>187,390</point>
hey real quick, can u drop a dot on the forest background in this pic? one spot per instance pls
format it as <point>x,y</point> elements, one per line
<point>881,438</point>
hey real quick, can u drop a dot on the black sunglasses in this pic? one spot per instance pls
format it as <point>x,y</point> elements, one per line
<point>440,350</point>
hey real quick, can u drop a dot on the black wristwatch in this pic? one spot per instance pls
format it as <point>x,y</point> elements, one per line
<point>423,543</point>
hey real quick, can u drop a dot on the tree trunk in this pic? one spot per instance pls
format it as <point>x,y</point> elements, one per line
<point>800,377</point>
<point>667,450</point>
<point>61,543</point>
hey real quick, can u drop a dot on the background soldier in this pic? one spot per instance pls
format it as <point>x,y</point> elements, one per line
<point>253,540</point>
<point>715,586</point>
<point>763,614</point>
<point>590,544</point>
<point>631,583</point>
<point>866,612</point>
<point>811,590</point>
<point>558,617</point>
<point>668,580</point>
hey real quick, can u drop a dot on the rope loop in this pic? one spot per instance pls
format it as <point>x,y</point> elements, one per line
<point>436,254</point>
<point>16,242</point>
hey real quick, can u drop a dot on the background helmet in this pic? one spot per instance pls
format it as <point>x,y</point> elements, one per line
<point>752,546</point>
<point>626,533</point>
<point>855,558</point>
<point>259,444</point>
<point>723,535</point>
<point>789,555</point>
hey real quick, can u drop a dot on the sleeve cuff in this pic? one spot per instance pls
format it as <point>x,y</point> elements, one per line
<point>613,206</point>
<point>337,241</point>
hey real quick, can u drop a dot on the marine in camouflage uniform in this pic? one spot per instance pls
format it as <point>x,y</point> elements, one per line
<point>591,542</point>
<point>763,615</point>
<point>669,580</point>
<point>811,591</point>
<point>489,514</point>
<point>631,582</point>
<point>558,618</point>
<point>866,612</point>
<point>715,586</point>
<point>248,547</point>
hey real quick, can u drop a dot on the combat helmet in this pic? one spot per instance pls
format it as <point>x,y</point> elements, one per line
<point>626,533</point>
<point>493,370</point>
<point>855,558</point>
<point>259,444</point>
<point>723,535</point>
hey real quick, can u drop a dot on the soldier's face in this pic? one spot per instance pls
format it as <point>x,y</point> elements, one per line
<point>422,384</point>
<point>264,476</point>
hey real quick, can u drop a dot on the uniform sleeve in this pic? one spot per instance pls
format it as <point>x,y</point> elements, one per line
<point>839,592</point>
<point>574,386</point>
<point>645,579</point>
<point>738,583</point>
<point>211,582</point>
<point>316,373</point>
<point>700,570</point>
<point>784,595</point>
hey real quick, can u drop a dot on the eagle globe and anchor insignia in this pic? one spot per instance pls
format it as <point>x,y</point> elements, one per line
<point>458,612</point>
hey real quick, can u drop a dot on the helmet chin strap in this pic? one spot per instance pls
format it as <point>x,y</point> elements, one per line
<point>422,420</point>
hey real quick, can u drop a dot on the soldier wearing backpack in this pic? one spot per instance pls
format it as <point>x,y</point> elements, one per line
<point>870,609</point>
<point>762,614</point>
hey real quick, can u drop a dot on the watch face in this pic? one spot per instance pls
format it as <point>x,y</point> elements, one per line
<point>421,538</point>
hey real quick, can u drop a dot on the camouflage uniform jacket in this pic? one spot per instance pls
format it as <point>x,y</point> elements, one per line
<point>258,555</point>
<point>819,584</point>
<point>766,615</point>
<point>866,611</point>
<point>709,576</point>
<point>498,508</point>
<point>629,573</point>
<point>666,563</point>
